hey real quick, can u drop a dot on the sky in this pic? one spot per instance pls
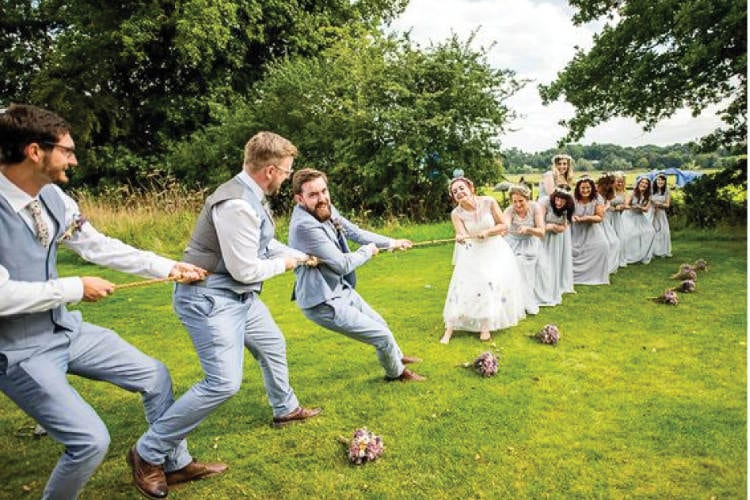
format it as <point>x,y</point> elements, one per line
<point>536,39</point>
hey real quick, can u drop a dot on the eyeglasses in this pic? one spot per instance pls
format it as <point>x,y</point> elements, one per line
<point>284,171</point>
<point>69,151</point>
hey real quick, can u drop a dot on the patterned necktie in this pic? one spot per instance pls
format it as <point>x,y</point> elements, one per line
<point>42,231</point>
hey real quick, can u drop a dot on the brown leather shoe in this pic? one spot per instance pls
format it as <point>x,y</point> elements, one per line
<point>408,376</point>
<point>195,470</point>
<point>148,478</point>
<point>410,359</point>
<point>300,413</point>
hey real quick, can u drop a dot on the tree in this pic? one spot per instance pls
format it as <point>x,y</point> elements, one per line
<point>141,74</point>
<point>654,57</point>
<point>387,122</point>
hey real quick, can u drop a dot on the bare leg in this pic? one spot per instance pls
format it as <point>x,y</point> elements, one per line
<point>447,335</point>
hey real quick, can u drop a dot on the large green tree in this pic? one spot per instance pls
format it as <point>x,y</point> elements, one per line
<point>654,57</point>
<point>133,76</point>
<point>387,122</point>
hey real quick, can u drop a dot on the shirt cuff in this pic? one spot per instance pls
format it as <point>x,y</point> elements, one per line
<point>162,266</point>
<point>71,289</point>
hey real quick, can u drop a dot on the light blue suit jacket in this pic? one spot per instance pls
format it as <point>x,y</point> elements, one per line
<point>307,234</point>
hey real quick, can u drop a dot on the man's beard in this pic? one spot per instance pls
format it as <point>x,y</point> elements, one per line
<point>322,211</point>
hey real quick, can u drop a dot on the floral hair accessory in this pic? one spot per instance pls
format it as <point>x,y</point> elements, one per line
<point>363,447</point>
<point>75,226</point>
<point>486,364</point>
<point>549,334</point>
<point>668,297</point>
<point>687,286</point>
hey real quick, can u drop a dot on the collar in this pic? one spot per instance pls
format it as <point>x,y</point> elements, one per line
<point>15,197</point>
<point>254,187</point>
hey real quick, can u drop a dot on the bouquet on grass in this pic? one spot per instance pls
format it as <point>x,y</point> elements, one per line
<point>549,334</point>
<point>687,286</point>
<point>486,364</point>
<point>686,272</point>
<point>700,265</point>
<point>363,447</point>
<point>668,297</point>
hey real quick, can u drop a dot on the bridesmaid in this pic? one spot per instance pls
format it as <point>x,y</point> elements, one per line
<point>617,205</point>
<point>660,202</point>
<point>605,186</point>
<point>590,263</point>
<point>560,175</point>
<point>525,231</point>
<point>637,231</point>
<point>555,272</point>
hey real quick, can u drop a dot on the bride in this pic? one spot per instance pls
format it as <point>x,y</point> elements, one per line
<point>486,291</point>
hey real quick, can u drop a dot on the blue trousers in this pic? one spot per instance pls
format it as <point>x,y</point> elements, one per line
<point>39,386</point>
<point>353,317</point>
<point>221,323</point>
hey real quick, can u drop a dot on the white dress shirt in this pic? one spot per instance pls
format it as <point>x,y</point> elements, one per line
<point>238,230</point>
<point>26,297</point>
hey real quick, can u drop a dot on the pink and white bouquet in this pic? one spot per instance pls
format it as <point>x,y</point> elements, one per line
<point>549,334</point>
<point>364,447</point>
<point>486,364</point>
<point>668,297</point>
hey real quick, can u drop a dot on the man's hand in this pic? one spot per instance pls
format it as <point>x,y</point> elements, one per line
<point>95,289</point>
<point>308,260</point>
<point>290,263</point>
<point>401,244</point>
<point>186,273</point>
<point>373,249</point>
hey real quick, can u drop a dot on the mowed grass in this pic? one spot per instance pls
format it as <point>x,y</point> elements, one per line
<point>639,399</point>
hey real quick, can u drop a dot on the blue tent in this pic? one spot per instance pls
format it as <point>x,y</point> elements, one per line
<point>682,176</point>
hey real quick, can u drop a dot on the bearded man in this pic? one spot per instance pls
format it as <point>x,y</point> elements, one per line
<point>326,293</point>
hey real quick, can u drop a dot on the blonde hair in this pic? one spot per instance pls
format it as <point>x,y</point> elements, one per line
<point>567,177</point>
<point>266,148</point>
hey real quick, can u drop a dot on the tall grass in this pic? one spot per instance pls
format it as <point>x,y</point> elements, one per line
<point>638,400</point>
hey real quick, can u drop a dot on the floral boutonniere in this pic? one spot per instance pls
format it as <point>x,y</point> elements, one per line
<point>75,225</point>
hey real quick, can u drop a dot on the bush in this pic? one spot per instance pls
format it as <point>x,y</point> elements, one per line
<point>719,198</point>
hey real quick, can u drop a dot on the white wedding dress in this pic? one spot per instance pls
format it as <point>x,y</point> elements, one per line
<point>486,290</point>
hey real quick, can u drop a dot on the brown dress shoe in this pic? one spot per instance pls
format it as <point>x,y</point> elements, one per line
<point>195,470</point>
<point>410,359</point>
<point>300,413</point>
<point>408,376</point>
<point>149,479</point>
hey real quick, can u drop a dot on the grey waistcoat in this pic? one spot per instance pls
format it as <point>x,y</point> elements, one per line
<point>203,249</point>
<point>27,260</point>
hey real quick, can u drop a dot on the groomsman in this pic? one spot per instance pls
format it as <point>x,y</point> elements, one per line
<point>40,340</point>
<point>326,293</point>
<point>234,240</point>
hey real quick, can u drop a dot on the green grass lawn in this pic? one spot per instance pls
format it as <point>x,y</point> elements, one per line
<point>638,400</point>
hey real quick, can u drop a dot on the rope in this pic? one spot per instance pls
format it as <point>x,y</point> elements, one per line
<point>144,283</point>
<point>136,284</point>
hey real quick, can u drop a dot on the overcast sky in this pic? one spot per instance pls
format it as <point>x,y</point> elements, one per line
<point>536,38</point>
